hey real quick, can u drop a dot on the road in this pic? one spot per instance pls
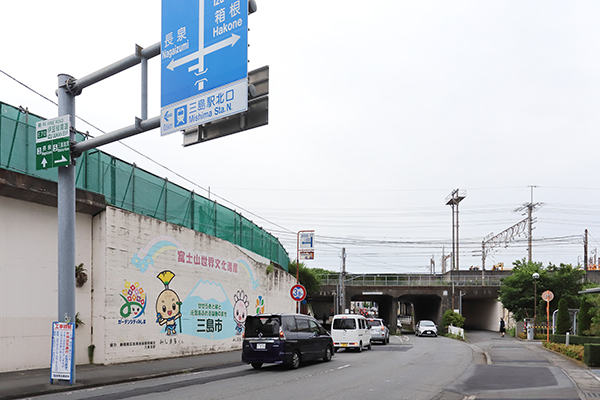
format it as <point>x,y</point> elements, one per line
<point>416,370</point>
<point>485,367</point>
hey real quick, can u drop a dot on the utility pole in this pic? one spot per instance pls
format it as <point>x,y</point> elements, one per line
<point>343,283</point>
<point>531,207</point>
<point>452,200</point>
<point>585,251</point>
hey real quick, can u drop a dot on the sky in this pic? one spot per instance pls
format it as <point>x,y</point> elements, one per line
<point>377,112</point>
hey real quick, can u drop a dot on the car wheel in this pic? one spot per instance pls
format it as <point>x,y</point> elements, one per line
<point>295,362</point>
<point>256,365</point>
<point>360,347</point>
<point>328,354</point>
<point>369,345</point>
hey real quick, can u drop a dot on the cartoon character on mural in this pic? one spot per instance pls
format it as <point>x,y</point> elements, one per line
<point>240,310</point>
<point>168,305</point>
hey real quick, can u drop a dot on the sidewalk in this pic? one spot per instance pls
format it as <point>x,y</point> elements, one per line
<point>509,350</point>
<point>19,384</point>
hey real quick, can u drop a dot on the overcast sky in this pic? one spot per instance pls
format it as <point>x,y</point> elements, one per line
<point>377,111</point>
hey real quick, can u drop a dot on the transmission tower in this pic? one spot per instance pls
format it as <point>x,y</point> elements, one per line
<point>530,207</point>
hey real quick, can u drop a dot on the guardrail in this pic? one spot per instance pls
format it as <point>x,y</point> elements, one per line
<point>412,280</point>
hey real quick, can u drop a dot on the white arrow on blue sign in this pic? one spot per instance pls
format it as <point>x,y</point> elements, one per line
<point>204,61</point>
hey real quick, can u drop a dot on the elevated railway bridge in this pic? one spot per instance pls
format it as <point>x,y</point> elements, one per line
<point>413,297</point>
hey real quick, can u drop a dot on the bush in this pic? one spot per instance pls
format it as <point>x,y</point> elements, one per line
<point>511,331</point>
<point>573,351</point>
<point>563,322</point>
<point>452,318</point>
<point>592,355</point>
<point>584,317</point>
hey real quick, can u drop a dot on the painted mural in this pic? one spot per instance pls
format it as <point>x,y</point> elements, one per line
<point>134,304</point>
<point>207,310</point>
<point>168,305</point>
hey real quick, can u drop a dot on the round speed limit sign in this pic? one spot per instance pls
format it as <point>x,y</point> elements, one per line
<point>298,292</point>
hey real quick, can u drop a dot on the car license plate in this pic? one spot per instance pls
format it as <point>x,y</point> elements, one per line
<point>344,345</point>
<point>261,346</point>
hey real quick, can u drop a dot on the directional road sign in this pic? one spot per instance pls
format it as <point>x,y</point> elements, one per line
<point>306,240</point>
<point>52,142</point>
<point>204,61</point>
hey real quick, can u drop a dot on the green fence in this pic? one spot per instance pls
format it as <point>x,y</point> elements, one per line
<point>131,188</point>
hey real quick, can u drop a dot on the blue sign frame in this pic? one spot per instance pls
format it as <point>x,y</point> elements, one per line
<point>204,49</point>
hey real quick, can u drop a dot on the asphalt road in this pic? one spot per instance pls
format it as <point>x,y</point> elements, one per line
<point>487,367</point>
<point>417,370</point>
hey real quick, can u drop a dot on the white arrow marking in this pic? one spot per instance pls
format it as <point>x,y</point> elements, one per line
<point>230,41</point>
<point>62,159</point>
<point>44,162</point>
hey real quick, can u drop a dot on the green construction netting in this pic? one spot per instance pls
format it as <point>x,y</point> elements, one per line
<point>131,188</point>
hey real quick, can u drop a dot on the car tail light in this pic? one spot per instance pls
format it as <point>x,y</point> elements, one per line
<point>382,328</point>
<point>281,334</point>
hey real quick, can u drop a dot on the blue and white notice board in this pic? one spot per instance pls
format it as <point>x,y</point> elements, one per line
<point>204,61</point>
<point>63,341</point>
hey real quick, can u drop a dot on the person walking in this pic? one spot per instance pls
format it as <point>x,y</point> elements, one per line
<point>502,327</point>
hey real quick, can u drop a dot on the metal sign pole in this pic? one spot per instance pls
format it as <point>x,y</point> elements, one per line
<point>66,219</point>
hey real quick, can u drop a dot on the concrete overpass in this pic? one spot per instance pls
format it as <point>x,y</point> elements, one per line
<point>418,296</point>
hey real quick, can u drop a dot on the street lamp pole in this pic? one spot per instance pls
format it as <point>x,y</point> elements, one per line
<point>535,277</point>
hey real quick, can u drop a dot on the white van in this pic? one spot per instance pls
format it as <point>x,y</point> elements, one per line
<point>350,331</point>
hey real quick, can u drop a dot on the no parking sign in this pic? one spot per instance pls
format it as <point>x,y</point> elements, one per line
<point>298,292</point>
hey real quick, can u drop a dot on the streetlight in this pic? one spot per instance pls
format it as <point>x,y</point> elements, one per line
<point>535,277</point>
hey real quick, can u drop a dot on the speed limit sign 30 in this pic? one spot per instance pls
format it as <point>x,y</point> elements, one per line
<point>298,292</point>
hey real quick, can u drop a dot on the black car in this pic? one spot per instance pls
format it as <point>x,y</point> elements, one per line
<point>284,339</point>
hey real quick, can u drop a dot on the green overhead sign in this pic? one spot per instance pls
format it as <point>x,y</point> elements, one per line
<point>52,143</point>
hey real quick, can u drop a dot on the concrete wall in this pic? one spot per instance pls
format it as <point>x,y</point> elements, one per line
<point>28,284</point>
<point>133,263</point>
<point>142,264</point>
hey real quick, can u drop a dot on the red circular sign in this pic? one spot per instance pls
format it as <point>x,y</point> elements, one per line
<point>298,292</point>
<point>547,295</point>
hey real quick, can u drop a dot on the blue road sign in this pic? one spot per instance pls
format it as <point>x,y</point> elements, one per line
<point>204,61</point>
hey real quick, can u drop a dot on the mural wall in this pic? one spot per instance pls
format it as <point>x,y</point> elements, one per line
<point>165,291</point>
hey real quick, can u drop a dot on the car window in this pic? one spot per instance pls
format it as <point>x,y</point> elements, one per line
<point>427,323</point>
<point>302,324</point>
<point>289,324</point>
<point>314,327</point>
<point>262,326</point>
<point>374,323</point>
<point>344,323</point>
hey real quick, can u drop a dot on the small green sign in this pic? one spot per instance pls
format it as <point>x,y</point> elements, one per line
<point>52,143</point>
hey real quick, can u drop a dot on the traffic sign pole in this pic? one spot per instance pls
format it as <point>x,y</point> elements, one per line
<point>66,219</point>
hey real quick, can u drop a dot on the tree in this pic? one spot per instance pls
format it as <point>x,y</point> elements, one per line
<point>563,321</point>
<point>517,290</point>
<point>307,277</point>
<point>453,318</point>
<point>584,317</point>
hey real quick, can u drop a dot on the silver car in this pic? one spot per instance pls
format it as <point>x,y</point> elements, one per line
<point>379,332</point>
<point>426,327</point>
